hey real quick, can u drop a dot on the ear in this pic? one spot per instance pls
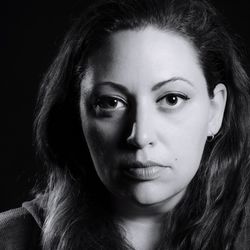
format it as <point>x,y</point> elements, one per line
<point>217,108</point>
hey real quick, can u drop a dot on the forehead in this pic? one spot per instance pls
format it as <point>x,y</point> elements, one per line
<point>145,56</point>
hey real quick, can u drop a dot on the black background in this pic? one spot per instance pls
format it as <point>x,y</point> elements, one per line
<point>30,38</point>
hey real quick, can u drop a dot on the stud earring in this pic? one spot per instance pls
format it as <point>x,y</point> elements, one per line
<point>210,138</point>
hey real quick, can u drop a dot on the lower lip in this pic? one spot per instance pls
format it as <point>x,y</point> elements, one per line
<point>144,174</point>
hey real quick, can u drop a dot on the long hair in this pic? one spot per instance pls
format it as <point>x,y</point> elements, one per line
<point>77,213</point>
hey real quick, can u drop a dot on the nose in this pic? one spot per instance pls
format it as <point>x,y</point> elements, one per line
<point>143,131</point>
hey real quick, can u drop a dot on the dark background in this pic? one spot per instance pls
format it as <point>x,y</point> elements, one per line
<point>31,35</point>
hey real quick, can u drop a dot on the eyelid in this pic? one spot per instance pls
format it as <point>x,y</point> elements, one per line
<point>111,97</point>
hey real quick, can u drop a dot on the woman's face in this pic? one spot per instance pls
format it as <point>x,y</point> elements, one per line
<point>146,115</point>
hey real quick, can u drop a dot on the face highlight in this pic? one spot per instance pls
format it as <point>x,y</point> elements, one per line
<point>146,115</point>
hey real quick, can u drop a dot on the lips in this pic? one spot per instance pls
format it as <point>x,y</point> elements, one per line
<point>143,171</point>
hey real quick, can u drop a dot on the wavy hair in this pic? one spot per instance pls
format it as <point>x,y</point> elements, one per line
<point>77,212</point>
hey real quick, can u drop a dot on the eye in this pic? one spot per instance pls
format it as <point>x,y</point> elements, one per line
<point>172,100</point>
<point>109,103</point>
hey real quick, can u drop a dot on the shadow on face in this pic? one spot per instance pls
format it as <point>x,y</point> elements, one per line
<point>146,115</point>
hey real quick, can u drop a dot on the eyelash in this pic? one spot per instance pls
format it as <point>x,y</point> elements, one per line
<point>108,104</point>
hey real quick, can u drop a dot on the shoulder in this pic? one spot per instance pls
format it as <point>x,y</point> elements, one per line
<point>18,230</point>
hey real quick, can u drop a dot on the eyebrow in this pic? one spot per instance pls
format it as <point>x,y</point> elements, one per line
<point>113,85</point>
<point>172,79</point>
<point>154,88</point>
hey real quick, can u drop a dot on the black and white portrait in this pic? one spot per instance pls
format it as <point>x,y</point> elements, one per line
<point>127,126</point>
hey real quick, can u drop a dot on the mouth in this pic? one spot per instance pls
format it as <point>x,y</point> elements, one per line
<point>147,171</point>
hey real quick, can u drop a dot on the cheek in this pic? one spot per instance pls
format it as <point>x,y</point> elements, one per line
<point>185,142</point>
<point>190,148</point>
<point>97,139</point>
<point>99,134</point>
<point>102,139</point>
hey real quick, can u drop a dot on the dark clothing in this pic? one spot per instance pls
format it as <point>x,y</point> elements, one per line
<point>20,229</point>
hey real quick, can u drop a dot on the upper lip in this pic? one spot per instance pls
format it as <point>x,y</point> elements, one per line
<point>147,164</point>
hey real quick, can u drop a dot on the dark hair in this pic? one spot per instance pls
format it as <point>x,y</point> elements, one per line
<point>213,209</point>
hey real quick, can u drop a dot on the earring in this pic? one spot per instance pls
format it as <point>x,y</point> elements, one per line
<point>210,138</point>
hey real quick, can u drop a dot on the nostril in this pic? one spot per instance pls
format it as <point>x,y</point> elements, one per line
<point>138,139</point>
<point>132,142</point>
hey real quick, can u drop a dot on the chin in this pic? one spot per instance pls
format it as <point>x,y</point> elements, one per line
<point>148,201</point>
<point>162,198</point>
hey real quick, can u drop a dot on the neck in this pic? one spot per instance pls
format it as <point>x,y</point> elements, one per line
<point>142,235</point>
<point>141,224</point>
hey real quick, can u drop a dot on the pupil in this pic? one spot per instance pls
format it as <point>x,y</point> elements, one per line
<point>172,99</point>
<point>113,102</point>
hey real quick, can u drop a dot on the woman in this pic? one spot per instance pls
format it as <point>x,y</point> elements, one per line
<point>142,125</point>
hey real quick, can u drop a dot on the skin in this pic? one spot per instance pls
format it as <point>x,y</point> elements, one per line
<point>157,109</point>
